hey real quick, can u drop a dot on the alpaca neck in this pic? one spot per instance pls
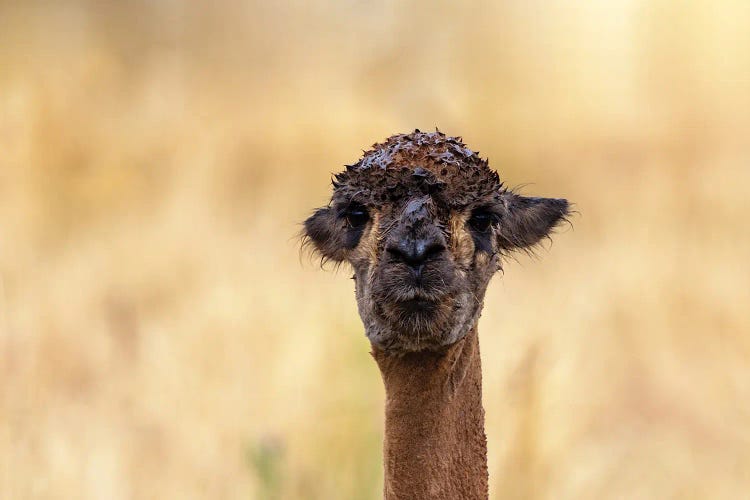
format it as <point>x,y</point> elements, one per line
<point>435,446</point>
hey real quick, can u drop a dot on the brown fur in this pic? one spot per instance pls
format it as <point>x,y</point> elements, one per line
<point>424,221</point>
<point>434,446</point>
<point>461,242</point>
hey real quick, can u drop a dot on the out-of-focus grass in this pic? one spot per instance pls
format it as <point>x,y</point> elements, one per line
<point>160,338</point>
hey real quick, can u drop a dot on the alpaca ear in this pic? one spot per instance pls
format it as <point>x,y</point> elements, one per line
<point>325,231</point>
<point>525,221</point>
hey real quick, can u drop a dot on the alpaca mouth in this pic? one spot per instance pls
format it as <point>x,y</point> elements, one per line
<point>417,305</point>
<point>415,309</point>
<point>418,318</point>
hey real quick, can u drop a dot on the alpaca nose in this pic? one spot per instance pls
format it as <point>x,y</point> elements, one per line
<point>415,252</point>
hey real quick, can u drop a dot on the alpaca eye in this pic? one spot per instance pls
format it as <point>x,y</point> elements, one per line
<point>481,220</point>
<point>356,215</point>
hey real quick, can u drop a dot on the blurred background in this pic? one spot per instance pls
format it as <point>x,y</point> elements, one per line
<point>162,337</point>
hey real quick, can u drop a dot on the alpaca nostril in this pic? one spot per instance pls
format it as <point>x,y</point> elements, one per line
<point>432,251</point>
<point>396,253</point>
<point>415,253</point>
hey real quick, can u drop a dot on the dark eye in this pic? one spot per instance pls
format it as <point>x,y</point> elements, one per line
<point>356,215</point>
<point>481,220</point>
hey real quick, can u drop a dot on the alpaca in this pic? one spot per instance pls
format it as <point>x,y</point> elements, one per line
<point>424,222</point>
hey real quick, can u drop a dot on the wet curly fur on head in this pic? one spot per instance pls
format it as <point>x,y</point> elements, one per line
<point>424,222</point>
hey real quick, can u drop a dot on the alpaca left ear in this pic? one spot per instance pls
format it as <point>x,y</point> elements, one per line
<point>526,220</point>
<point>326,233</point>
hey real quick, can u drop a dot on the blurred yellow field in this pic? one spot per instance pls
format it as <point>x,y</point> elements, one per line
<point>161,336</point>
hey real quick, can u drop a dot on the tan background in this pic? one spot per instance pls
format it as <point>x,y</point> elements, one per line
<point>160,336</point>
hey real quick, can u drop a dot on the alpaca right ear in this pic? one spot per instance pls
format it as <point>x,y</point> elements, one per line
<point>326,232</point>
<point>526,220</point>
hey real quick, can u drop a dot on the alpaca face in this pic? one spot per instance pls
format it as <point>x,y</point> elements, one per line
<point>424,221</point>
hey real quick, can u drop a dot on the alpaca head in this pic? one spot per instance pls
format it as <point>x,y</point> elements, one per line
<point>424,222</point>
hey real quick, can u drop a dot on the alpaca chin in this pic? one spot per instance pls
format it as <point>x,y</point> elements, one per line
<point>420,325</point>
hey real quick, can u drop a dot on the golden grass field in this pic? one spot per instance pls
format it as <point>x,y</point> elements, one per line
<point>162,337</point>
